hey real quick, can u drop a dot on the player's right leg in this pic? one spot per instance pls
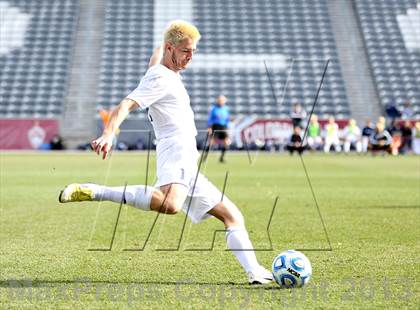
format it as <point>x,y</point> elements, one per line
<point>327,146</point>
<point>168,199</point>
<point>347,146</point>
<point>238,242</point>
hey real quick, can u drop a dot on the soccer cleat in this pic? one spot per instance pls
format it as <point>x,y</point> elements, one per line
<point>75,192</point>
<point>261,276</point>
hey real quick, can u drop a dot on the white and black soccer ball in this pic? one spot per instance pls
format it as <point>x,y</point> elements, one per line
<point>291,269</point>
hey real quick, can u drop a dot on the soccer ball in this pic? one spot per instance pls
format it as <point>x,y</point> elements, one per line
<point>291,269</point>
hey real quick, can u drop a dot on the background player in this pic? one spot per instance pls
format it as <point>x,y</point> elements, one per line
<point>331,136</point>
<point>162,91</point>
<point>352,136</point>
<point>217,123</point>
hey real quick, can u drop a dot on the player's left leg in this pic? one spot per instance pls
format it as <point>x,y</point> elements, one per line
<point>238,241</point>
<point>347,145</point>
<point>358,145</point>
<point>208,147</point>
<point>337,145</point>
<point>224,146</point>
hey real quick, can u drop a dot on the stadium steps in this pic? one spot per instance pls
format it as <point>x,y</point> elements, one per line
<point>79,123</point>
<point>363,99</point>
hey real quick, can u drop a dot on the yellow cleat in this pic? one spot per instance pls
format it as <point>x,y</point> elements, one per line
<point>75,192</point>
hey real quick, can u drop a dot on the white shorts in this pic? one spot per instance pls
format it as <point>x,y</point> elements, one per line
<point>177,163</point>
<point>201,198</point>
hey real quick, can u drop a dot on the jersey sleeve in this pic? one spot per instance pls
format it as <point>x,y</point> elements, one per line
<point>211,119</point>
<point>227,116</point>
<point>151,88</point>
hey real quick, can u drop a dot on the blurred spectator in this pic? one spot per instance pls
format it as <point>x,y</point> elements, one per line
<point>314,133</point>
<point>381,140</point>
<point>295,142</point>
<point>352,137</point>
<point>36,135</point>
<point>416,139</point>
<point>393,127</point>
<point>367,132</point>
<point>105,117</point>
<point>331,136</point>
<point>392,112</point>
<point>298,114</point>
<point>382,120</point>
<point>408,111</point>
<point>56,143</point>
<point>395,132</point>
<point>406,137</point>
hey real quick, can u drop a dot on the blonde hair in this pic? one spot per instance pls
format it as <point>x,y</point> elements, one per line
<point>179,30</point>
<point>380,126</point>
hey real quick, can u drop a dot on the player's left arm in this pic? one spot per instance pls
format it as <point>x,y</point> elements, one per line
<point>228,118</point>
<point>156,56</point>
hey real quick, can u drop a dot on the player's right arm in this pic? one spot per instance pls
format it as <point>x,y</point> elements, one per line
<point>152,87</point>
<point>119,114</point>
<point>210,120</point>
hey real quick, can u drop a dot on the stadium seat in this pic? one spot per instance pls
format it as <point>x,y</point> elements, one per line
<point>396,67</point>
<point>295,29</point>
<point>39,70</point>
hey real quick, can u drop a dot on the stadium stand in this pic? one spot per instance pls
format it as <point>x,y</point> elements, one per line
<point>393,52</point>
<point>127,47</point>
<point>34,71</point>
<point>297,31</point>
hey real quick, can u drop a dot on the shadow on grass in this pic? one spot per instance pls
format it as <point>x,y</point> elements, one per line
<point>26,283</point>
<point>395,207</point>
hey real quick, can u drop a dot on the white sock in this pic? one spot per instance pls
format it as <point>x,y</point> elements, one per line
<point>138,196</point>
<point>237,240</point>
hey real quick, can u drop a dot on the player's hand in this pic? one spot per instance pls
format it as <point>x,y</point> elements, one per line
<point>103,144</point>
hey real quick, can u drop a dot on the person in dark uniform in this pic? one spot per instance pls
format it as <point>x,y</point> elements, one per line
<point>218,122</point>
<point>295,142</point>
<point>381,140</point>
<point>297,115</point>
<point>367,132</point>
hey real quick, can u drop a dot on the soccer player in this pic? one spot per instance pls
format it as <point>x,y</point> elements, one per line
<point>295,142</point>
<point>367,132</point>
<point>314,133</point>
<point>352,136</point>
<point>162,91</point>
<point>381,140</point>
<point>331,136</point>
<point>298,114</point>
<point>218,125</point>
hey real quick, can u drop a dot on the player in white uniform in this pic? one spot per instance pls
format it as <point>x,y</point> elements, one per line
<point>162,91</point>
<point>331,136</point>
<point>352,136</point>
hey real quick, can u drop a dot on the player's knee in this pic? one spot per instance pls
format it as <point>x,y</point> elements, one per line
<point>165,203</point>
<point>171,206</point>
<point>234,217</point>
<point>238,219</point>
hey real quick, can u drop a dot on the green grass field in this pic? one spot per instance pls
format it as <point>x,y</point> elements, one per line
<point>370,206</point>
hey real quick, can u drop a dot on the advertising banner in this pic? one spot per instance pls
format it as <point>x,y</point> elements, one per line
<point>26,134</point>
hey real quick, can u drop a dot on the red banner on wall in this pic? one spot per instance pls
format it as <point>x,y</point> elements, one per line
<point>26,134</point>
<point>253,129</point>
